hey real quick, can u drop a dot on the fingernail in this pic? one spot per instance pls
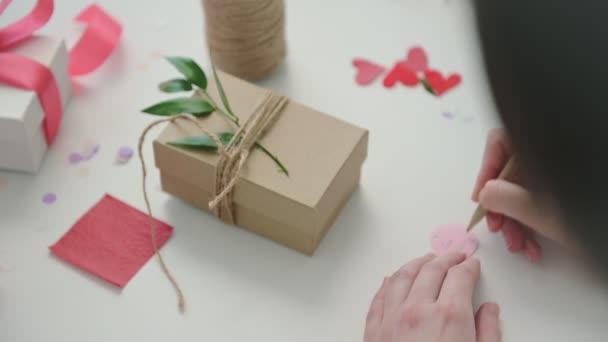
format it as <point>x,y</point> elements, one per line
<point>508,239</point>
<point>494,309</point>
<point>481,195</point>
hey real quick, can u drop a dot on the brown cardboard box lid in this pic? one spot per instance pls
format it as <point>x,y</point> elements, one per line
<point>313,146</point>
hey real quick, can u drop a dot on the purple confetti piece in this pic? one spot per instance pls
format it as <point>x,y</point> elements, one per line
<point>125,152</point>
<point>75,158</point>
<point>448,115</point>
<point>91,153</point>
<point>49,198</point>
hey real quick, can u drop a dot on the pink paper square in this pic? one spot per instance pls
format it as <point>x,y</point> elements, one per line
<point>112,241</point>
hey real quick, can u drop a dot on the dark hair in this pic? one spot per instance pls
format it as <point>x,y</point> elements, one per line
<point>547,62</point>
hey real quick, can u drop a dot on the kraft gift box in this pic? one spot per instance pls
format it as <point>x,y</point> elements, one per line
<point>22,139</point>
<point>324,156</point>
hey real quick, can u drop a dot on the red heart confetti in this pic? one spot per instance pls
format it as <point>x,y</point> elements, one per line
<point>417,60</point>
<point>441,84</point>
<point>411,71</point>
<point>367,71</point>
<point>402,74</point>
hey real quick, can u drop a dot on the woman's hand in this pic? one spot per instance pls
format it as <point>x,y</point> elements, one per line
<point>512,209</point>
<point>430,300</point>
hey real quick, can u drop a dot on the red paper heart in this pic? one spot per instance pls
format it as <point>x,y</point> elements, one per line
<point>441,84</point>
<point>367,71</point>
<point>417,60</point>
<point>403,74</point>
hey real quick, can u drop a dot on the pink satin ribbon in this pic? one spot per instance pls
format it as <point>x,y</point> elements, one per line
<point>93,48</point>
<point>4,4</point>
<point>25,73</point>
<point>97,43</point>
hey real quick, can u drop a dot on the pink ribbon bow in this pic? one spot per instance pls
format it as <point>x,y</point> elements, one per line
<point>96,44</point>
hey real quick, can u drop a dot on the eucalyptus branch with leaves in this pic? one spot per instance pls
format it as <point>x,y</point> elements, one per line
<point>196,80</point>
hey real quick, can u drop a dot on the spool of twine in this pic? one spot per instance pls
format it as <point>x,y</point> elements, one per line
<point>246,37</point>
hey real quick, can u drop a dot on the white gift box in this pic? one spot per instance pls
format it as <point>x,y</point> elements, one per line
<point>22,139</point>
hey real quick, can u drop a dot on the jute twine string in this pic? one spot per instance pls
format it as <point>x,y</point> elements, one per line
<point>232,159</point>
<point>246,37</point>
<point>237,152</point>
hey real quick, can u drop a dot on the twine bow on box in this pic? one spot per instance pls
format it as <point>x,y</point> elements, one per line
<point>233,157</point>
<point>96,44</point>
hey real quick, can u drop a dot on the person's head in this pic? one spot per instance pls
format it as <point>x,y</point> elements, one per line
<point>547,62</point>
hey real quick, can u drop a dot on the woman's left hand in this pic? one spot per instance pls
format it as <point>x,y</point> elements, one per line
<point>430,300</point>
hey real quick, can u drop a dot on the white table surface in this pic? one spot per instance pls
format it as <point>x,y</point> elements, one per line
<point>242,287</point>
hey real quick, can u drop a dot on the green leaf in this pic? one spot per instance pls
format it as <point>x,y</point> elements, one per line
<point>274,158</point>
<point>428,87</point>
<point>188,67</point>
<point>196,106</point>
<point>175,85</point>
<point>220,90</point>
<point>203,141</point>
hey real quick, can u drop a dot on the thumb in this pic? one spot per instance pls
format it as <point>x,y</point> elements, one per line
<point>517,203</point>
<point>486,323</point>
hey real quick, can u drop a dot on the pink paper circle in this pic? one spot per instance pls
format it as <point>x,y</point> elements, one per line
<point>453,238</point>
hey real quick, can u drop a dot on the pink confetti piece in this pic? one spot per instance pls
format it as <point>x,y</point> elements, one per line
<point>3,184</point>
<point>453,238</point>
<point>83,172</point>
<point>155,54</point>
<point>142,66</point>
<point>417,60</point>
<point>49,198</point>
<point>367,72</point>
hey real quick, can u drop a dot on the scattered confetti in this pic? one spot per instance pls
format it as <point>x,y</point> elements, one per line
<point>124,154</point>
<point>142,66</point>
<point>411,72</point>
<point>439,83</point>
<point>112,241</point>
<point>453,237</point>
<point>90,151</point>
<point>448,115</point>
<point>155,54</point>
<point>367,72</point>
<point>83,171</point>
<point>49,198</point>
<point>75,158</point>
<point>402,74</point>
<point>416,60</point>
